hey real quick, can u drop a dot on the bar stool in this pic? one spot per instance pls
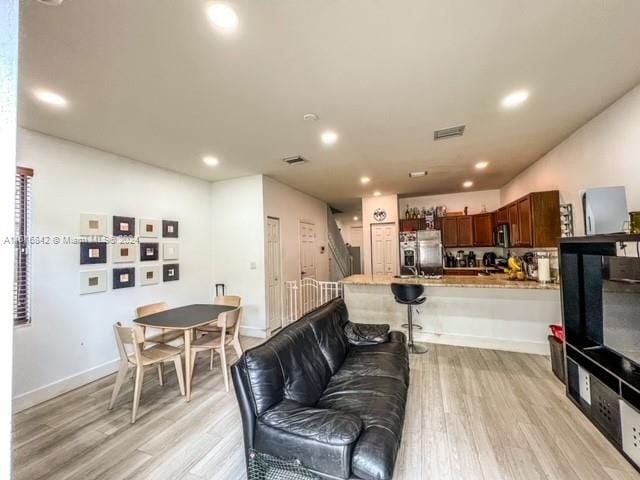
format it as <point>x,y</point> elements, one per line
<point>409,294</point>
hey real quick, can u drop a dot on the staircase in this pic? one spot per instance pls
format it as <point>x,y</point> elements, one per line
<point>340,260</point>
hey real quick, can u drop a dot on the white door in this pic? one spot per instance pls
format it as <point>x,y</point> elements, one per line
<point>274,281</point>
<point>383,243</point>
<point>308,265</point>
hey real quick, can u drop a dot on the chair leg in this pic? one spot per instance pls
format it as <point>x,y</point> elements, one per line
<point>237,347</point>
<point>177,361</point>
<point>160,375</point>
<point>211,360</point>
<point>137,391</point>
<point>193,364</point>
<point>120,378</point>
<point>223,362</point>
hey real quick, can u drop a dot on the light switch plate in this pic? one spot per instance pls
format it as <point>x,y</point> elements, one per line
<point>630,420</point>
<point>253,265</point>
<point>585,385</point>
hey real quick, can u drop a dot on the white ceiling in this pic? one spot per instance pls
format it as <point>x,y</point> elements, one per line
<point>152,80</point>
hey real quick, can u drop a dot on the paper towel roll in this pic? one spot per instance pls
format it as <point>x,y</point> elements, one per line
<point>544,270</point>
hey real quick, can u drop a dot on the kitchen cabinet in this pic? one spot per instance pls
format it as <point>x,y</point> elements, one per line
<point>450,232</point>
<point>502,216</point>
<point>465,231</point>
<point>534,220</point>
<point>483,229</point>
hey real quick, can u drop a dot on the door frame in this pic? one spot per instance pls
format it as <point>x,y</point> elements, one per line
<point>282,289</point>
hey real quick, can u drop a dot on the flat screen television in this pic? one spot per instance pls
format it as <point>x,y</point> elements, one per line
<point>621,306</point>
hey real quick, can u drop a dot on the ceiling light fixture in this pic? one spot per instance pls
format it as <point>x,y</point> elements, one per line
<point>418,174</point>
<point>355,219</point>
<point>482,165</point>
<point>329,137</point>
<point>467,184</point>
<point>376,194</point>
<point>51,98</point>
<point>514,99</point>
<point>365,180</point>
<point>311,117</point>
<point>210,161</point>
<point>223,17</point>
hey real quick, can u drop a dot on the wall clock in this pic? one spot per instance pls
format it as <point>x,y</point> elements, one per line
<point>379,214</point>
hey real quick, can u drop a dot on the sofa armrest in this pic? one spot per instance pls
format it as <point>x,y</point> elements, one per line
<point>326,426</point>
<point>397,336</point>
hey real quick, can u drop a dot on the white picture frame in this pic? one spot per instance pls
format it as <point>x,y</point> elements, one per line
<point>93,281</point>
<point>93,224</point>
<point>149,228</point>
<point>150,275</point>
<point>171,251</point>
<point>123,252</point>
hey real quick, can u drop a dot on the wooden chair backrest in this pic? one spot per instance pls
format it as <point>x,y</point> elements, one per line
<point>228,300</point>
<point>129,336</point>
<point>150,309</point>
<point>228,321</point>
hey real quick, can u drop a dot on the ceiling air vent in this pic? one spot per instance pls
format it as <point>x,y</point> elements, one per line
<point>297,160</point>
<point>448,132</point>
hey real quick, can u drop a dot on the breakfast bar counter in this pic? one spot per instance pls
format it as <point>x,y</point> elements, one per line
<point>473,311</point>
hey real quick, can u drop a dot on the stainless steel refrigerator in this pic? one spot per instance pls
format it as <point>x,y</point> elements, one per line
<point>430,252</point>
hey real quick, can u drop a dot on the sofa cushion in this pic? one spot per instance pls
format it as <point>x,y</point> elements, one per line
<point>380,402</point>
<point>362,363</point>
<point>328,326</point>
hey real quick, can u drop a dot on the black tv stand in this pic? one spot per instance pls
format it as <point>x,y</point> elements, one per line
<point>601,382</point>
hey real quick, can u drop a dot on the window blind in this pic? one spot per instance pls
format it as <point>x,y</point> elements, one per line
<point>21,285</point>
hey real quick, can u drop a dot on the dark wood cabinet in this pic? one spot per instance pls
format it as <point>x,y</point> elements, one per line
<point>534,220</point>
<point>502,216</point>
<point>525,234</point>
<point>483,229</point>
<point>465,231</point>
<point>413,224</point>
<point>513,225</point>
<point>450,232</point>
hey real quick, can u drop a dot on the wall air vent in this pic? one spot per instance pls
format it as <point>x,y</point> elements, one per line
<point>448,132</point>
<point>297,160</point>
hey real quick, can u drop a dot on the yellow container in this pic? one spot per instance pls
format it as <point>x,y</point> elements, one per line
<point>634,223</point>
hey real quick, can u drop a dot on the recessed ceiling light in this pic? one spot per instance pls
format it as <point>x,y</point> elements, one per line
<point>376,194</point>
<point>355,219</point>
<point>223,17</point>
<point>422,173</point>
<point>329,137</point>
<point>210,161</point>
<point>514,99</point>
<point>482,165</point>
<point>311,117</point>
<point>365,180</point>
<point>467,184</point>
<point>51,98</point>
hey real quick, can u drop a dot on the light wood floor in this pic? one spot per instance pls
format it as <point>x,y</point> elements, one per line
<point>472,414</point>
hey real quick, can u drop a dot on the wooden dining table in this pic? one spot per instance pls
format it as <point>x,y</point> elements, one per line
<point>185,318</point>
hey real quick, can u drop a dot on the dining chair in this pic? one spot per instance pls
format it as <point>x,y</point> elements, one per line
<point>141,358</point>
<point>230,301</point>
<point>165,336</point>
<point>228,334</point>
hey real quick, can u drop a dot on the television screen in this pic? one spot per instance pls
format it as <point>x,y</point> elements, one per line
<point>621,306</point>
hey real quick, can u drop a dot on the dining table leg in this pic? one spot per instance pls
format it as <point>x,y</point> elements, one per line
<point>187,362</point>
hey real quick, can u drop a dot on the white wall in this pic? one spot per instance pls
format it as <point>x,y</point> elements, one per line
<point>292,207</point>
<point>603,152</point>
<point>238,246</point>
<point>369,204</point>
<point>9,21</point>
<point>455,202</point>
<point>70,341</point>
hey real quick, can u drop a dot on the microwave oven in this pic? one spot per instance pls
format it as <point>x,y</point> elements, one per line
<point>502,236</point>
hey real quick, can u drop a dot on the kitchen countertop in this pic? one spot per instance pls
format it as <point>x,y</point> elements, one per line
<point>464,281</point>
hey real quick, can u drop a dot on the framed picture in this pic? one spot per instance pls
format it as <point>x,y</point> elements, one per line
<point>124,277</point>
<point>169,228</point>
<point>149,251</point>
<point>93,252</point>
<point>93,281</point>
<point>92,224</point>
<point>149,228</point>
<point>170,251</point>
<point>124,226</point>
<point>149,275</point>
<point>170,272</point>
<point>123,252</point>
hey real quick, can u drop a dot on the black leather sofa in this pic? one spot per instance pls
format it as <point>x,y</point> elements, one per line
<point>307,394</point>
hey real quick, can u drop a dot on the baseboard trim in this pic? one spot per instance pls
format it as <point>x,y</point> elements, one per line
<point>253,332</point>
<point>490,343</point>
<point>57,388</point>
